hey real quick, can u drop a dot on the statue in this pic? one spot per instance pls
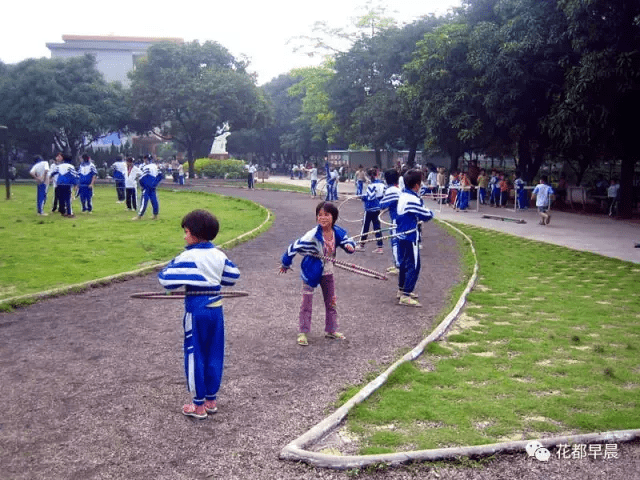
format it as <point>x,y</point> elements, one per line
<point>219,146</point>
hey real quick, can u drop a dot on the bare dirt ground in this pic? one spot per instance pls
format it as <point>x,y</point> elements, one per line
<point>92,383</point>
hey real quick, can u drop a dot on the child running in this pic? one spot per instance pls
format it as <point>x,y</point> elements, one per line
<point>542,194</point>
<point>411,210</point>
<point>202,269</point>
<point>323,239</point>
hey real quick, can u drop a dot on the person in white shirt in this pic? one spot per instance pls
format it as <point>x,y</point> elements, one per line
<point>612,196</point>
<point>180,174</point>
<point>251,177</point>
<point>313,176</point>
<point>131,184</point>
<point>40,171</point>
<point>542,193</point>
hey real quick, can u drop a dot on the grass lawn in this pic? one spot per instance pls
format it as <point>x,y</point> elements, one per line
<point>41,253</point>
<point>548,344</point>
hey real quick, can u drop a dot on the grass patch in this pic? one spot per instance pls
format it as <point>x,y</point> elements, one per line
<point>533,356</point>
<point>43,253</point>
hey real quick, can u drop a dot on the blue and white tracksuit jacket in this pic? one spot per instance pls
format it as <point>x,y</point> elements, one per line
<point>66,177</point>
<point>522,201</point>
<point>411,210</point>
<point>371,199</point>
<point>86,172</point>
<point>151,177</point>
<point>390,201</point>
<point>494,190</point>
<point>202,267</point>
<point>312,242</point>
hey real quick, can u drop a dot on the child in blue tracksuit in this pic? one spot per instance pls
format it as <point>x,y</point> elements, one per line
<point>494,189</point>
<point>522,202</point>
<point>119,174</point>
<point>87,174</point>
<point>66,178</point>
<point>411,210</point>
<point>323,239</point>
<point>151,177</point>
<point>371,199</point>
<point>202,269</point>
<point>390,202</point>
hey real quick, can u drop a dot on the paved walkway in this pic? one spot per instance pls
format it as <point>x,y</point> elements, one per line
<point>595,233</point>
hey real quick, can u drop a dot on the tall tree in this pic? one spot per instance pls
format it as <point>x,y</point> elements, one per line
<point>517,52</point>
<point>61,102</point>
<point>601,96</point>
<point>188,92</point>
<point>441,81</point>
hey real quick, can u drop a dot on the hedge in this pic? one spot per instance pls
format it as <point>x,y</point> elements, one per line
<point>211,168</point>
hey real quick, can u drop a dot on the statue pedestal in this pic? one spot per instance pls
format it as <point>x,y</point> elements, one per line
<point>219,156</point>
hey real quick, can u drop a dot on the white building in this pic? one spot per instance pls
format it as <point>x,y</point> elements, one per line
<point>115,56</point>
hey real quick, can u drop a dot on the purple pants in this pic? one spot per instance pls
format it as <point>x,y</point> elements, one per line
<point>331,314</point>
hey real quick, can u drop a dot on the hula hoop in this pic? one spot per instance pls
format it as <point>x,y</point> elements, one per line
<point>393,235</point>
<point>371,232</point>
<point>181,295</point>
<point>340,217</point>
<point>351,267</point>
<point>384,222</point>
<point>321,188</point>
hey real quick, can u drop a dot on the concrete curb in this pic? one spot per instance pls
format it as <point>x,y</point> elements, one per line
<point>118,276</point>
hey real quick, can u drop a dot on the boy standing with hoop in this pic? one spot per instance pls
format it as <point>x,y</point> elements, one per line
<point>201,268</point>
<point>411,210</point>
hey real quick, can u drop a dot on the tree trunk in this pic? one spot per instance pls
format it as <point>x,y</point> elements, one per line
<point>411,159</point>
<point>191,161</point>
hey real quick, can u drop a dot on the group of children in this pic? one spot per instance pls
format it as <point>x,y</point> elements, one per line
<point>68,180</point>
<point>127,176</point>
<point>202,270</point>
<point>493,190</point>
<point>319,245</point>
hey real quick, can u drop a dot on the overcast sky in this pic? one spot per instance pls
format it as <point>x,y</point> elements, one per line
<point>260,30</point>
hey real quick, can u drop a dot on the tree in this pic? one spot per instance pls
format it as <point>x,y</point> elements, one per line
<point>314,126</point>
<point>188,92</point>
<point>441,82</point>
<point>601,96</point>
<point>517,52</point>
<point>64,102</point>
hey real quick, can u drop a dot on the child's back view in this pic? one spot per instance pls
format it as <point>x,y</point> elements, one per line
<point>202,269</point>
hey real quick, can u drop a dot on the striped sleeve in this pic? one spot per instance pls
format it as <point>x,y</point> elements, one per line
<point>305,244</point>
<point>230,274</point>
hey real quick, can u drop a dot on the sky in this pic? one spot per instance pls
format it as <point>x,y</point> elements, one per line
<point>263,32</point>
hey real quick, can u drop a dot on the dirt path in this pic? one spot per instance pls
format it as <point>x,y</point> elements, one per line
<point>92,383</point>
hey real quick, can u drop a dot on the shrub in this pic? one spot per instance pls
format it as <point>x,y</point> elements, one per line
<point>212,168</point>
